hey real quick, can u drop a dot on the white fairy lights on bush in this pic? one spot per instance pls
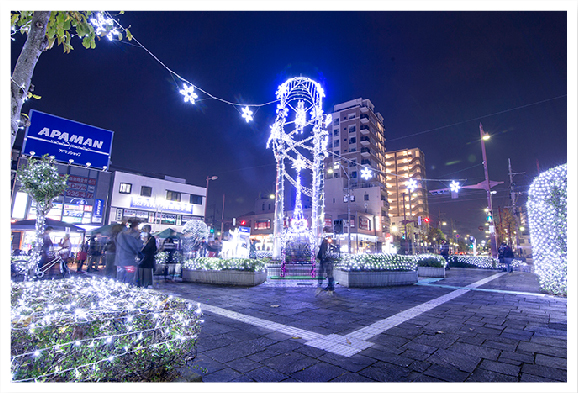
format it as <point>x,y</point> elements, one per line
<point>97,329</point>
<point>548,228</point>
<point>213,263</point>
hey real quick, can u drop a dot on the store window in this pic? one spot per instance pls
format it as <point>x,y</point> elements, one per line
<point>263,224</point>
<point>173,196</point>
<point>146,191</point>
<point>125,188</point>
<point>196,199</point>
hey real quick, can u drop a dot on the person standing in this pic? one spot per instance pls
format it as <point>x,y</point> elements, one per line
<point>94,253</point>
<point>147,264</point>
<point>128,245</point>
<point>82,256</point>
<point>110,251</point>
<point>325,266</point>
<point>169,247</point>
<point>445,253</point>
<point>65,245</point>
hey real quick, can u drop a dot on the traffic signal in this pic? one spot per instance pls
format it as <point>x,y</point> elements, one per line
<point>242,223</point>
<point>426,220</point>
<point>489,216</point>
<point>338,227</point>
<point>212,230</point>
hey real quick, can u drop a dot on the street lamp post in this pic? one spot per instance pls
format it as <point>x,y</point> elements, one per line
<point>207,194</point>
<point>484,137</point>
<point>346,173</point>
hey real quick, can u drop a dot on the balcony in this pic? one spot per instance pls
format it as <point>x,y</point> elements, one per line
<point>365,141</point>
<point>364,118</point>
<point>364,129</point>
<point>365,152</point>
<point>364,109</point>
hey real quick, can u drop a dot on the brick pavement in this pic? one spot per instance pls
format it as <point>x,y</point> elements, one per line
<point>502,330</point>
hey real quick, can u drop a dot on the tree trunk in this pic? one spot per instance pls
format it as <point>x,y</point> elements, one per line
<point>35,43</point>
<point>37,246</point>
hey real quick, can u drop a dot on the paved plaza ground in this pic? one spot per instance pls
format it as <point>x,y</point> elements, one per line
<point>473,326</point>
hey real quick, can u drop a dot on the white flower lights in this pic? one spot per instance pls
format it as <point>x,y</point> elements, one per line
<point>188,91</point>
<point>548,228</point>
<point>58,336</point>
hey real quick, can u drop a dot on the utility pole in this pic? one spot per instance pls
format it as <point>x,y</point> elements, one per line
<point>515,211</point>
<point>489,194</point>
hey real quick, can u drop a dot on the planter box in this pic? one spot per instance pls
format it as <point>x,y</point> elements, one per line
<point>437,272</point>
<point>228,277</point>
<point>374,279</point>
<point>291,269</point>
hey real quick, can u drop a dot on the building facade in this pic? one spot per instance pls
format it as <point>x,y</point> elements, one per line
<point>357,144</point>
<point>408,210</point>
<point>163,202</point>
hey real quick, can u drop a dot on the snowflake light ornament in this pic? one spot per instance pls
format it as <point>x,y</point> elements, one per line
<point>189,93</point>
<point>299,163</point>
<point>366,173</point>
<point>247,114</point>
<point>455,186</point>
<point>411,185</point>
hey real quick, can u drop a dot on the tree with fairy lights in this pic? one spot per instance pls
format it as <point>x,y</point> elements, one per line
<point>40,179</point>
<point>43,29</point>
<point>195,231</point>
<point>547,213</point>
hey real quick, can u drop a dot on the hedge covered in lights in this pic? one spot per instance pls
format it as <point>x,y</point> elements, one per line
<point>468,261</point>
<point>163,256</point>
<point>548,228</point>
<point>377,262</point>
<point>213,263</point>
<point>96,329</point>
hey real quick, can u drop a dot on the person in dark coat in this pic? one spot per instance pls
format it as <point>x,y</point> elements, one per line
<point>147,264</point>
<point>325,265</point>
<point>110,251</point>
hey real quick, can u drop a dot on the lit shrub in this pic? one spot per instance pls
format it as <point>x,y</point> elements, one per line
<point>96,329</point>
<point>548,228</point>
<point>213,263</point>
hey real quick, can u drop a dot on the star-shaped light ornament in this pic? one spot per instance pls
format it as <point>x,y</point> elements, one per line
<point>299,163</point>
<point>366,173</point>
<point>247,114</point>
<point>411,185</point>
<point>189,93</point>
<point>454,186</point>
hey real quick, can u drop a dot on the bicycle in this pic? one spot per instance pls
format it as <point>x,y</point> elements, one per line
<point>18,268</point>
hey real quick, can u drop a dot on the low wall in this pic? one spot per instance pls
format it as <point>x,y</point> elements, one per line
<point>228,277</point>
<point>437,272</point>
<point>354,279</point>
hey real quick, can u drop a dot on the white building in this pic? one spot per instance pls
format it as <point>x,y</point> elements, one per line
<point>163,203</point>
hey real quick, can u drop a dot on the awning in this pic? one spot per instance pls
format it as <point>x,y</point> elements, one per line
<point>30,225</point>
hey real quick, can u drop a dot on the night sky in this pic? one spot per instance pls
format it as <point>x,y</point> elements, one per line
<point>434,76</point>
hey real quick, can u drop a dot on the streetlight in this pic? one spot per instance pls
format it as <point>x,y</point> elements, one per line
<point>207,194</point>
<point>484,137</point>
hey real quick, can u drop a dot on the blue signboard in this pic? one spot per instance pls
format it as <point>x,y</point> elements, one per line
<point>97,211</point>
<point>66,139</point>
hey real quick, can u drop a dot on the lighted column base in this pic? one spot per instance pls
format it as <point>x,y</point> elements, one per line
<point>225,277</point>
<point>355,279</point>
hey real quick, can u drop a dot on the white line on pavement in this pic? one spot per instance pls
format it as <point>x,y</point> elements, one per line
<point>354,342</point>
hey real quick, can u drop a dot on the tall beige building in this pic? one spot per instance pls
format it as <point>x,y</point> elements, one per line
<point>357,143</point>
<point>401,166</point>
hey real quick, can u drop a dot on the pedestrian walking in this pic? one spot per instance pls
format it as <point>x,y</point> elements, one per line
<point>445,253</point>
<point>325,267</point>
<point>506,256</point>
<point>147,264</point>
<point>128,245</point>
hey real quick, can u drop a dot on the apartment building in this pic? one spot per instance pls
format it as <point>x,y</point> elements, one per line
<point>407,207</point>
<point>357,143</point>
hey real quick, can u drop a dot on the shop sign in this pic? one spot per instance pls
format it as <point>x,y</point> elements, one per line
<point>364,223</point>
<point>66,139</point>
<point>164,205</point>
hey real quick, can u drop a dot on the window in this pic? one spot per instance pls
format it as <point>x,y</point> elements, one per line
<point>336,132</point>
<point>351,116</point>
<point>336,143</point>
<point>336,122</point>
<point>351,150</point>
<point>354,174</point>
<point>335,175</point>
<point>262,208</point>
<point>351,128</point>
<point>196,199</point>
<point>366,197</point>
<point>173,196</point>
<point>146,191</point>
<point>263,224</point>
<point>352,163</point>
<point>365,161</point>
<point>125,188</point>
<point>351,140</point>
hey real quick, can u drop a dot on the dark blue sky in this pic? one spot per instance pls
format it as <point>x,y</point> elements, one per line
<point>422,70</point>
